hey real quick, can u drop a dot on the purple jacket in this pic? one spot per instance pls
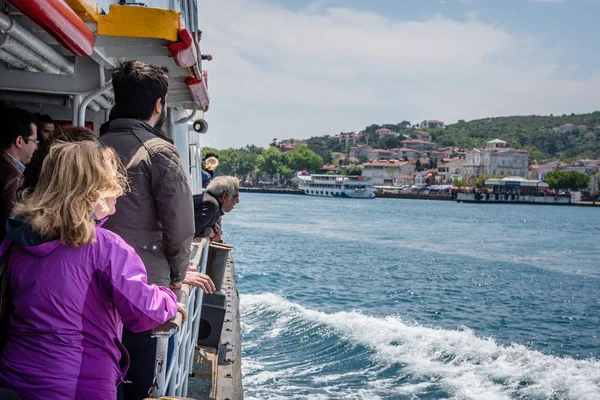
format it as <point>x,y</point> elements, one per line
<point>70,307</point>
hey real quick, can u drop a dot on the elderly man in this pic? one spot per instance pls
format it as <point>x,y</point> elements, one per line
<point>220,197</point>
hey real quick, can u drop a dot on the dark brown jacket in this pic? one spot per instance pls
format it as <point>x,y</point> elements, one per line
<point>11,180</point>
<point>207,212</point>
<point>157,217</point>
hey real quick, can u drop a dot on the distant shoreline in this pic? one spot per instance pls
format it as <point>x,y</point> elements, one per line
<point>398,196</point>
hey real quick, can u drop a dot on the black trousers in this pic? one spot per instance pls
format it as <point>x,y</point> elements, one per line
<point>142,353</point>
<point>6,394</point>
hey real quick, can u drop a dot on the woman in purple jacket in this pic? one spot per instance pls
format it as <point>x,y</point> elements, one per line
<point>73,284</point>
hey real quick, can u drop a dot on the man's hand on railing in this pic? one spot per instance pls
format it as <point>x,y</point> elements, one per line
<point>181,308</point>
<point>203,281</point>
<point>215,233</point>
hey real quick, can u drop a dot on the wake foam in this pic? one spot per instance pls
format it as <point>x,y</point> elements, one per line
<point>464,365</point>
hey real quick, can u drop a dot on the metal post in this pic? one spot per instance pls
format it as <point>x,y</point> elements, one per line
<point>76,105</point>
<point>162,348</point>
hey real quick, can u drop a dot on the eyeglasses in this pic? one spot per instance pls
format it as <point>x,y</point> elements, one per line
<point>27,140</point>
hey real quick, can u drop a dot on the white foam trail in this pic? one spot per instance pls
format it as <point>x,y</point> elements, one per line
<point>465,365</point>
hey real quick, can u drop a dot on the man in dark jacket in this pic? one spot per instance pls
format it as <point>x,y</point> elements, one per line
<point>17,145</point>
<point>156,216</point>
<point>221,196</point>
<point>45,130</point>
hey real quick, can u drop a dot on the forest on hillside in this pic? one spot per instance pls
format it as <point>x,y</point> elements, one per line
<point>532,133</point>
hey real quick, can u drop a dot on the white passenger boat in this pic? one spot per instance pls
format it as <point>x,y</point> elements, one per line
<point>355,187</point>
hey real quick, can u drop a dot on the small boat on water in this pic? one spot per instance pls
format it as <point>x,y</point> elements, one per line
<point>352,186</point>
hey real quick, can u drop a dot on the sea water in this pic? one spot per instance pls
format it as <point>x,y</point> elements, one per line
<point>416,299</point>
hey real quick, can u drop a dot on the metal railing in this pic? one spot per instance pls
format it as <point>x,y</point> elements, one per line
<point>177,341</point>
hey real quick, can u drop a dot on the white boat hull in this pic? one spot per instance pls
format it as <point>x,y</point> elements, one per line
<point>354,194</point>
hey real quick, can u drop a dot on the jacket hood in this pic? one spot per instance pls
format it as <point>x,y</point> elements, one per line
<point>21,234</point>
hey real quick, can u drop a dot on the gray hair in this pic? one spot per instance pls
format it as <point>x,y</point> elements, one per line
<point>224,184</point>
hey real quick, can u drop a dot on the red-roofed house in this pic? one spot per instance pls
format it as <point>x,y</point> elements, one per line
<point>449,168</point>
<point>359,151</point>
<point>383,173</point>
<point>349,139</point>
<point>449,152</point>
<point>380,154</point>
<point>431,124</point>
<point>402,152</point>
<point>417,144</point>
<point>404,180</point>
<point>290,144</point>
<point>386,132</point>
<point>565,128</point>
<point>423,135</point>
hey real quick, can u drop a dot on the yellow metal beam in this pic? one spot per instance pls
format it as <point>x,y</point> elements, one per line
<point>141,22</point>
<point>86,9</point>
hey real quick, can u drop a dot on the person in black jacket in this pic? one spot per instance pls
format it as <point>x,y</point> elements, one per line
<point>18,142</point>
<point>220,197</point>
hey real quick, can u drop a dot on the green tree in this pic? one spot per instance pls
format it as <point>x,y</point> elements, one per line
<point>286,172</point>
<point>577,180</point>
<point>391,173</point>
<point>356,170</point>
<point>301,157</point>
<point>462,182</point>
<point>418,166</point>
<point>269,162</point>
<point>480,181</point>
<point>555,180</point>
<point>566,180</point>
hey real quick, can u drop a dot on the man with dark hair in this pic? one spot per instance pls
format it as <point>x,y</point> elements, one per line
<point>17,145</point>
<point>156,217</point>
<point>45,126</point>
<point>45,129</point>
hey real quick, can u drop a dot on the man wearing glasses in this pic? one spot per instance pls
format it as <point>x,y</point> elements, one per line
<point>17,145</point>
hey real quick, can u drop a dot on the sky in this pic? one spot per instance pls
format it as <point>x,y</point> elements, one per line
<point>296,68</point>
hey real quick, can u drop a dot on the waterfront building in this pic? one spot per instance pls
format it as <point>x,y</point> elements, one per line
<point>449,169</point>
<point>383,173</point>
<point>496,159</point>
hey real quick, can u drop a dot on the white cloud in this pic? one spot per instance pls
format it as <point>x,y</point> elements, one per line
<point>282,73</point>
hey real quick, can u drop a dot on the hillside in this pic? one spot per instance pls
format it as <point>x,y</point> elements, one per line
<point>533,133</point>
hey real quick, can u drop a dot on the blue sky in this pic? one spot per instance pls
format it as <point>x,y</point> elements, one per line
<point>294,68</point>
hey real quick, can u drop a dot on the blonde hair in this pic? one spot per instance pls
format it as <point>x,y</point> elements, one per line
<point>75,178</point>
<point>210,164</point>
